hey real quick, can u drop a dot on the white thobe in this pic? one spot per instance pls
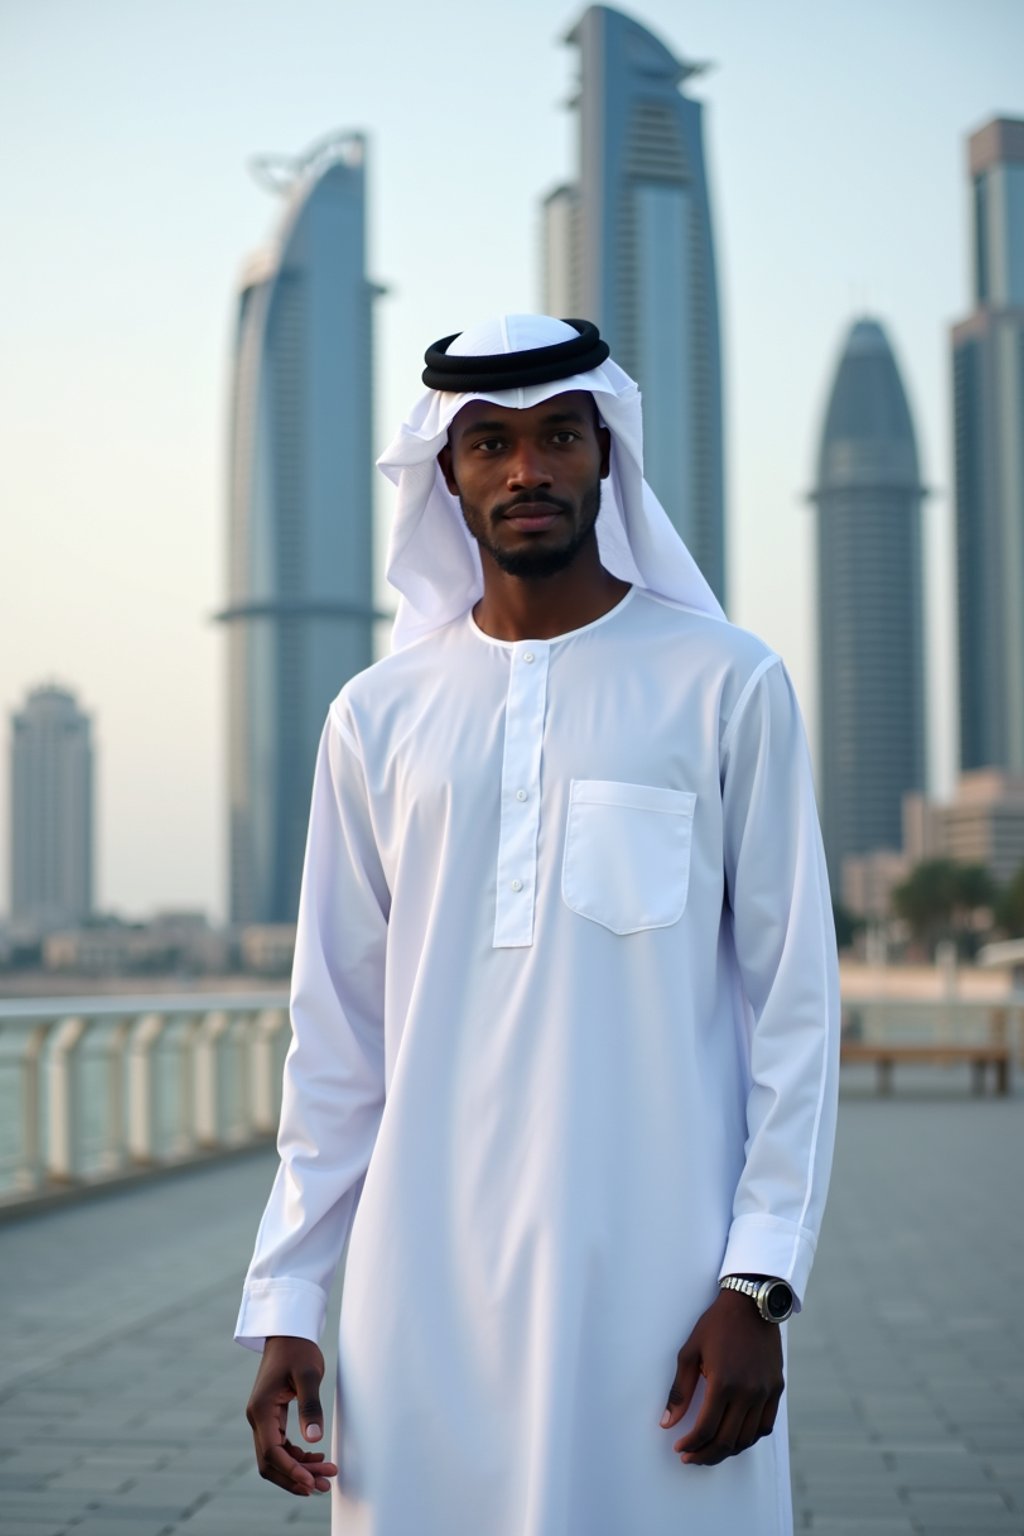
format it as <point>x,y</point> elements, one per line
<point>565,1015</point>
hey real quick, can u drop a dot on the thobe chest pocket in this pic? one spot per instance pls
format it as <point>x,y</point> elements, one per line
<point>626,863</point>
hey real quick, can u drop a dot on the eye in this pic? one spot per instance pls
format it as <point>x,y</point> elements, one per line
<point>565,435</point>
<point>489,444</point>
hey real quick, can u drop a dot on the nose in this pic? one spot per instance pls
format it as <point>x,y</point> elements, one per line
<point>527,468</point>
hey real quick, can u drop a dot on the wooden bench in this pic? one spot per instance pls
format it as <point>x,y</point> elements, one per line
<point>933,1053</point>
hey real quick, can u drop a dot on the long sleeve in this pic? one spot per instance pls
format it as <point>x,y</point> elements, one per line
<point>333,1091</point>
<point>784,940</point>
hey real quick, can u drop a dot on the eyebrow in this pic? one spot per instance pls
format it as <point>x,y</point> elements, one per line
<point>485,426</point>
<point>502,426</point>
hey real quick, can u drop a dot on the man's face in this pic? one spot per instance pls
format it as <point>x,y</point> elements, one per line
<point>528,482</point>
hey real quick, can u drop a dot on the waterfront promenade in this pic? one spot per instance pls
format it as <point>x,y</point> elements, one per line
<point>122,1396</point>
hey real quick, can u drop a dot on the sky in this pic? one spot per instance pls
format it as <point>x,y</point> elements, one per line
<point>836,147</point>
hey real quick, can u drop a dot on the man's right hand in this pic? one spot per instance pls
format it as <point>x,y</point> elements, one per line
<point>290,1368</point>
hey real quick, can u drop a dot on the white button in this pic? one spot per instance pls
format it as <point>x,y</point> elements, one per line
<point>517,885</point>
<point>520,794</point>
<point>527,655</point>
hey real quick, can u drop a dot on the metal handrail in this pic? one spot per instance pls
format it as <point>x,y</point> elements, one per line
<point>95,1087</point>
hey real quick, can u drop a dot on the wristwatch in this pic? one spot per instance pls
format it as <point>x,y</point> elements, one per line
<point>773,1298</point>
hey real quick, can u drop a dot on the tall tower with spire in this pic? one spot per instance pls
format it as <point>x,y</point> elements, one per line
<point>988,409</point>
<point>299,615</point>
<point>629,245</point>
<point>870,603</point>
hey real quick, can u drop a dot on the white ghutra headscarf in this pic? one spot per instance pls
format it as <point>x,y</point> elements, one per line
<point>433,560</point>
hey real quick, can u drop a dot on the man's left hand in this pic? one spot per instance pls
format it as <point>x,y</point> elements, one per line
<point>740,1357</point>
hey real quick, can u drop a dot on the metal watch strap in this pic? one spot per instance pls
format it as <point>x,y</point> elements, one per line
<point>737,1283</point>
<point>758,1291</point>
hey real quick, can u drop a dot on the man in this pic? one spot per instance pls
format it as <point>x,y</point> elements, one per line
<point>564,1004</point>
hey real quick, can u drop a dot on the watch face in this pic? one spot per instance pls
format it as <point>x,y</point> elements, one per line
<point>779,1302</point>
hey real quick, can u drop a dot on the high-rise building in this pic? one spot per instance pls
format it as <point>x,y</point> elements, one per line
<point>870,603</point>
<point>988,409</point>
<point>629,246</point>
<point>300,561</point>
<point>51,811</point>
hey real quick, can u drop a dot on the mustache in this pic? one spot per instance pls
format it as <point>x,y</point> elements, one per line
<point>530,499</point>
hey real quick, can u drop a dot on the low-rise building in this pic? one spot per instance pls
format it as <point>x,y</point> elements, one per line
<point>868,881</point>
<point>266,949</point>
<point>171,942</point>
<point>982,824</point>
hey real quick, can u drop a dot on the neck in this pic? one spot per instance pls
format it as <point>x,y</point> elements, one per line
<point>541,607</point>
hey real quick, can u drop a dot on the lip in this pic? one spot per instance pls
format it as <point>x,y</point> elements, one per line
<point>533,517</point>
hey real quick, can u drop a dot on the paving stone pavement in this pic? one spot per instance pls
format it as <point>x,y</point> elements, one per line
<point>121,1394</point>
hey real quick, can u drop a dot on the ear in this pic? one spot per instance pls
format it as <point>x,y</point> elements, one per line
<point>444,460</point>
<point>604,439</point>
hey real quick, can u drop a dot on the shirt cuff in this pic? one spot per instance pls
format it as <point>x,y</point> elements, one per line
<point>293,1307</point>
<point>767,1245</point>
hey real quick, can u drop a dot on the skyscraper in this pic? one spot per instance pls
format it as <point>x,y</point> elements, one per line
<point>300,612</point>
<point>870,605</point>
<point>629,246</point>
<point>988,410</point>
<point>51,811</point>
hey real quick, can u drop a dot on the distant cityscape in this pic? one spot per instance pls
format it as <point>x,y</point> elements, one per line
<point>628,243</point>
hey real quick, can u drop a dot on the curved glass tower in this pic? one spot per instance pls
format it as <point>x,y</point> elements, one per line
<point>629,245</point>
<point>299,613</point>
<point>870,605</point>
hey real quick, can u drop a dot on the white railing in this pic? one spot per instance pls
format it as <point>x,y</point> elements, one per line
<point>95,1088</point>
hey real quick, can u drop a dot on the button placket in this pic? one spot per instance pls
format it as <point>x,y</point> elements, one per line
<point>516,880</point>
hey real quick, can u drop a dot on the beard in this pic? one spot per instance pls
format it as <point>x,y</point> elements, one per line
<point>532,558</point>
